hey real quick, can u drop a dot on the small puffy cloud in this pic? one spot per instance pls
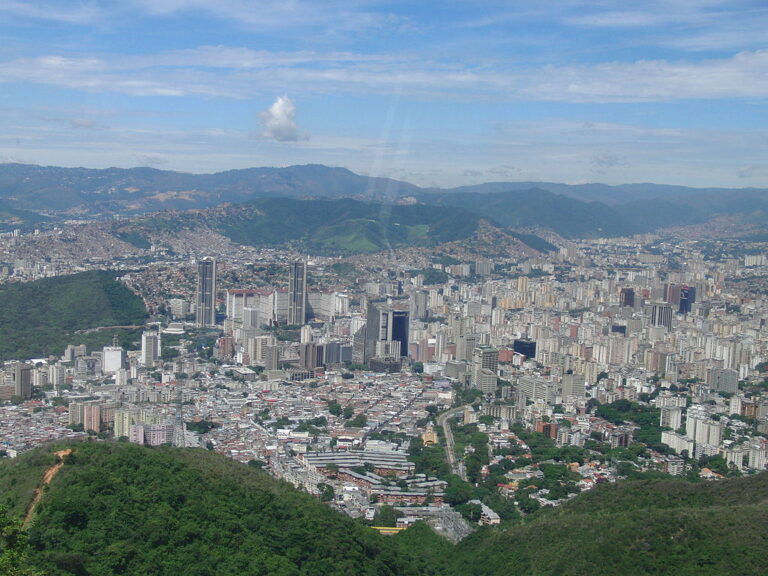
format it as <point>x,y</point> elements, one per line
<point>279,121</point>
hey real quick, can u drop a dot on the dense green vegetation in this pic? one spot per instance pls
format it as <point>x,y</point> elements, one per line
<point>19,478</point>
<point>646,417</point>
<point>535,242</point>
<point>649,527</point>
<point>12,218</point>
<point>116,508</point>
<point>132,237</point>
<point>432,275</point>
<point>64,307</point>
<point>472,445</point>
<point>539,208</point>
<point>325,226</point>
<point>14,548</point>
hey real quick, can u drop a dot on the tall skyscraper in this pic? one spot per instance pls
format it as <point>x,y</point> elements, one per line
<point>525,347</point>
<point>150,348</point>
<point>687,299</point>
<point>205,313</point>
<point>22,380</point>
<point>297,294</point>
<point>484,358</point>
<point>385,325</point>
<point>627,297</point>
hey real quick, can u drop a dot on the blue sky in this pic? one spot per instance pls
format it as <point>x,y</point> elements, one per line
<point>436,93</point>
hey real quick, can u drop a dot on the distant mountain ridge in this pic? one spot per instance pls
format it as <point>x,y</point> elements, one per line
<point>542,209</point>
<point>323,226</point>
<point>573,211</point>
<point>140,190</point>
<point>612,195</point>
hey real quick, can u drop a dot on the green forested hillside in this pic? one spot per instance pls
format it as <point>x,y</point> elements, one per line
<point>647,527</point>
<point>324,226</point>
<point>116,508</point>
<point>12,218</point>
<point>537,208</point>
<point>41,317</point>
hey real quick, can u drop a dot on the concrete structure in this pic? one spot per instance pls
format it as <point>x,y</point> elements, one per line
<point>297,294</point>
<point>205,311</point>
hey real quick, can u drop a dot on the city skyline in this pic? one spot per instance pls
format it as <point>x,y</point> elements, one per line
<point>434,94</point>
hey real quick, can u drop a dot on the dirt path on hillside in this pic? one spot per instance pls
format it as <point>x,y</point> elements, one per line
<point>47,477</point>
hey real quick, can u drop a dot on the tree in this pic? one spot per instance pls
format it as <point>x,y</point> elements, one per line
<point>14,559</point>
<point>386,516</point>
<point>326,492</point>
<point>358,421</point>
<point>458,491</point>
<point>470,511</point>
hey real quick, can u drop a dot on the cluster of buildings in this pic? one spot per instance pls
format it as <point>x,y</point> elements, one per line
<point>541,341</point>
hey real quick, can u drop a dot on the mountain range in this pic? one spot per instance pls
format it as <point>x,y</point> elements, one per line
<point>30,193</point>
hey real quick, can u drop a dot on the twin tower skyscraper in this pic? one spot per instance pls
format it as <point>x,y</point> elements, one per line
<point>205,310</point>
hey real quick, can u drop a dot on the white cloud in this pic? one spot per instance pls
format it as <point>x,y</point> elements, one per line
<point>329,17</point>
<point>279,121</point>
<point>71,13</point>
<point>242,73</point>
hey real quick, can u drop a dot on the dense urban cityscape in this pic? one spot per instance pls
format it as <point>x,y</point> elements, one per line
<point>383,288</point>
<point>646,355</point>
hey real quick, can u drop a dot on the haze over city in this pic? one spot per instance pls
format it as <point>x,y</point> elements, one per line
<point>435,93</point>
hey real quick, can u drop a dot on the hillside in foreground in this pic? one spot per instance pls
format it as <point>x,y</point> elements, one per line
<point>116,508</point>
<point>645,527</point>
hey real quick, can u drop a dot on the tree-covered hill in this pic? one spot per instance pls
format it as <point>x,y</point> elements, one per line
<point>647,527</point>
<point>12,218</point>
<point>118,508</point>
<point>537,208</point>
<point>41,317</point>
<point>585,210</point>
<point>343,226</point>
